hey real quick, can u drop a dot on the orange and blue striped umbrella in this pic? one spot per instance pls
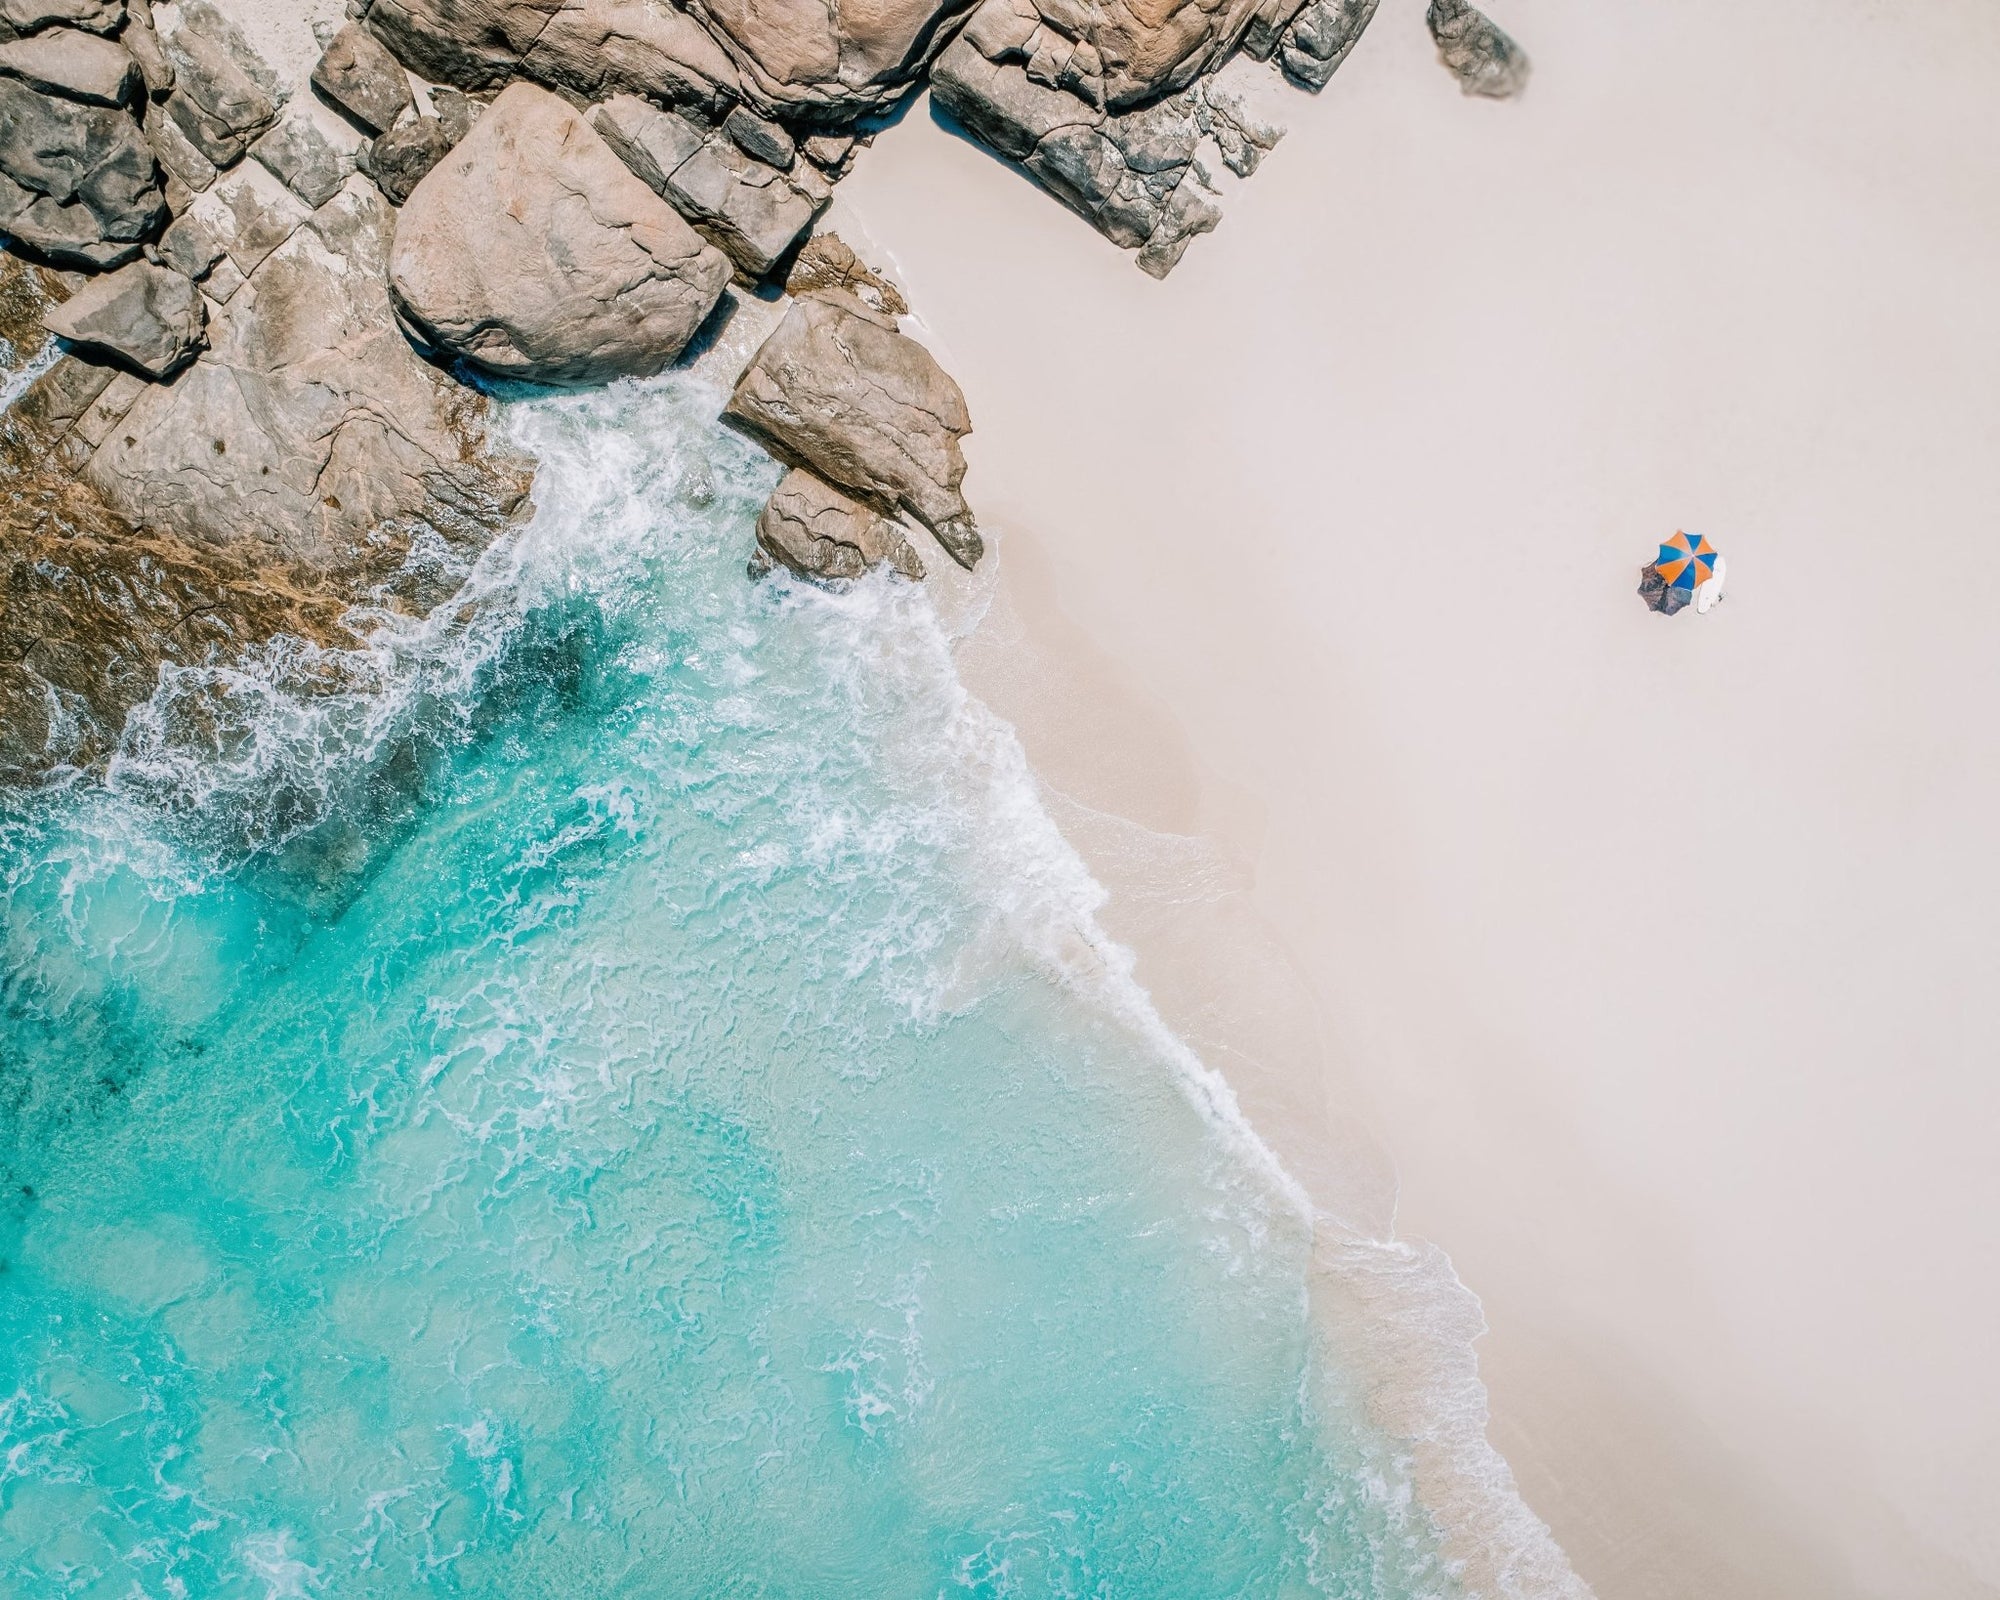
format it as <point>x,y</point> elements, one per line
<point>1685,561</point>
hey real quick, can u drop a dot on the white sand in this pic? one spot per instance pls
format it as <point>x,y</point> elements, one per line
<point>1659,954</point>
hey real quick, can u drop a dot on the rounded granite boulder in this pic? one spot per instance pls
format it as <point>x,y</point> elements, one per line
<point>532,252</point>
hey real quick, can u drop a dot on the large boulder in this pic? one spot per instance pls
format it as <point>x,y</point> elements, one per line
<point>360,77</point>
<point>533,252</point>
<point>839,390</point>
<point>1114,54</point>
<point>812,529</point>
<point>73,64</point>
<point>831,62</point>
<point>141,316</point>
<point>1483,59</point>
<point>311,432</point>
<point>77,182</point>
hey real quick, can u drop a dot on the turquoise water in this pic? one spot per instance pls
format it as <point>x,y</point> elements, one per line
<point>628,1099</point>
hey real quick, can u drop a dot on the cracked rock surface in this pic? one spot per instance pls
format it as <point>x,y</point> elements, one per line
<point>839,390</point>
<point>533,252</point>
<point>812,529</point>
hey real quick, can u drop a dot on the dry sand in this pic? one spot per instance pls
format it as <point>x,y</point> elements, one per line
<point>1658,955</point>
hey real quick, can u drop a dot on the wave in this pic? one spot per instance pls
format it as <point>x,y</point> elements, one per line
<point>306,765</point>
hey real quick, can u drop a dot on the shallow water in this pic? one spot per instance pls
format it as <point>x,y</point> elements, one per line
<point>629,1099</point>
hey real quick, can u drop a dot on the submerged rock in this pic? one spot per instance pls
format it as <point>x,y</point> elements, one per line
<point>360,77</point>
<point>533,252</point>
<point>145,317</point>
<point>1483,59</point>
<point>811,528</point>
<point>838,390</point>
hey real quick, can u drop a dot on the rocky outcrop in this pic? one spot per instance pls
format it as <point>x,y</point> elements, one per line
<point>752,210</point>
<point>1483,59</point>
<point>19,17</point>
<point>533,252</point>
<point>144,317</point>
<point>216,102</point>
<point>592,48</point>
<point>359,76</point>
<point>839,390</point>
<point>1137,176</point>
<point>310,430</point>
<point>812,529</point>
<point>828,262</point>
<point>828,64</point>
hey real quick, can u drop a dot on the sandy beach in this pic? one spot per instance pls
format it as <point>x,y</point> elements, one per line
<point>1645,962</point>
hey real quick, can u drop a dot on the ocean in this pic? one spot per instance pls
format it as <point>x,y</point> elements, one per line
<point>617,1089</point>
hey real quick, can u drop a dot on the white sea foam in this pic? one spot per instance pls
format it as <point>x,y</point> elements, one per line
<point>217,744</point>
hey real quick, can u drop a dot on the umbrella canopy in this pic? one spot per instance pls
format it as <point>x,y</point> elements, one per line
<point>1685,561</point>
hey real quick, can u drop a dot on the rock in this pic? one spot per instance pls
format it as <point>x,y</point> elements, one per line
<point>18,17</point>
<point>1121,56</point>
<point>836,389</point>
<point>1320,37</point>
<point>142,40</point>
<point>750,210</point>
<point>401,158</point>
<point>177,155</point>
<point>533,252</point>
<point>828,150</point>
<point>760,138</point>
<point>73,64</point>
<point>360,77</point>
<point>814,530</point>
<point>219,26</point>
<point>1134,176</point>
<point>311,432</point>
<point>146,317</point>
<point>652,142</point>
<point>188,247</point>
<point>81,185</point>
<point>826,262</point>
<point>830,62</point>
<point>1483,59</point>
<point>595,48</point>
<point>249,213</point>
<point>215,102</point>
<point>456,112</point>
<point>1226,109</point>
<point>302,158</point>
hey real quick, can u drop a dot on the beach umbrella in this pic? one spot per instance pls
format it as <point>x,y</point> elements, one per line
<point>1685,562</point>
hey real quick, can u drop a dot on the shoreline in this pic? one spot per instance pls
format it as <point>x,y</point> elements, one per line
<point>1685,280</point>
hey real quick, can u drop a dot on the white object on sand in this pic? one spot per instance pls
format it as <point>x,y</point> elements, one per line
<point>1709,590</point>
